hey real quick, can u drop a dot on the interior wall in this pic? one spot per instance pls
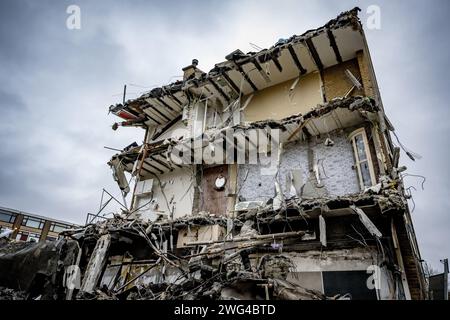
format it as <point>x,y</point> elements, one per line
<point>175,192</point>
<point>176,131</point>
<point>278,102</point>
<point>337,84</point>
<point>335,166</point>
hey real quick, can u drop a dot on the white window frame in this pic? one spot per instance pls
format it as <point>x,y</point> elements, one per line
<point>352,138</point>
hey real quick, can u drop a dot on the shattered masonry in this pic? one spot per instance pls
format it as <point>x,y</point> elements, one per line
<point>331,215</point>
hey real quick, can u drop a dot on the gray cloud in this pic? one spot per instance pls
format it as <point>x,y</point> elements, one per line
<point>56,85</point>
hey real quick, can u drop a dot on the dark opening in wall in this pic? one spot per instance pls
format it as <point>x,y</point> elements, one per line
<point>353,282</point>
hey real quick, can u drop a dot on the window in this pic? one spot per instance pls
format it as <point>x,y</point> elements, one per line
<point>22,236</point>
<point>352,282</point>
<point>7,217</point>
<point>331,283</point>
<point>33,222</point>
<point>363,160</point>
<point>57,227</point>
<point>33,237</point>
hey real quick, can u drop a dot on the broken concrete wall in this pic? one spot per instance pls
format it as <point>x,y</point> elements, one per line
<point>335,260</point>
<point>285,99</point>
<point>335,164</point>
<point>37,268</point>
<point>171,195</point>
<point>318,270</point>
<point>193,234</point>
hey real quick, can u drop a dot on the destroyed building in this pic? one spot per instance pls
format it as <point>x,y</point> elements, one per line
<point>272,176</point>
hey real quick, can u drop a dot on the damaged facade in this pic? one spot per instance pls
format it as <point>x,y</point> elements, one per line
<point>272,176</point>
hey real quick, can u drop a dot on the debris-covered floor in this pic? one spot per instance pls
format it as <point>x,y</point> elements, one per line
<point>260,254</point>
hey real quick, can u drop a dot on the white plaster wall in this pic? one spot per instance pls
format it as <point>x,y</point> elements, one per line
<point>178,130</point>
<point>337,173</point>
<point>336,260</point>
<point>178,188</point>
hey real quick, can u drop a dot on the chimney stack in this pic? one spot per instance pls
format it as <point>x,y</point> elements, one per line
<point>191,70</point>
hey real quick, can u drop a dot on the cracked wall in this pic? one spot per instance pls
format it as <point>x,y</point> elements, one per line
<point>174,194</point>
<point>285,99</point>
<point>335,167</point>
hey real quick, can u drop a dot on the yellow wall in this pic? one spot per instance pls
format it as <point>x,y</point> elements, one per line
<point>276,103</point>
<point>336,83</point>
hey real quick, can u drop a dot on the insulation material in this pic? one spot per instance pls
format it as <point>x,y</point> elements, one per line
<point>367,222</point>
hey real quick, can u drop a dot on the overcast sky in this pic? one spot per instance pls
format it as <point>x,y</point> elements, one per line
<point>56,86</point>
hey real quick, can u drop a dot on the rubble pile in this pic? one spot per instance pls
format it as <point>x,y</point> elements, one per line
<point>10,294</point>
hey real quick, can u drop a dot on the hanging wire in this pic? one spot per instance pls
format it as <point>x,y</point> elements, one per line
<point>424,179</point>
<point>411,154</point>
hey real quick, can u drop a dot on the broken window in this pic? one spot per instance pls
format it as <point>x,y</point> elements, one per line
<point>363,160</point>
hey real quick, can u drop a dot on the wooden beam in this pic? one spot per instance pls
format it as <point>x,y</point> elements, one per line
<point>231,83</point>
<point>277,64</point>
<point>247,78</point>
<point>161,163</point>
<point>260,69</point>
<point>152,166</point>
<point>333,44</point>
<point>219,89</point>
<point>315,55</point>
<point>172,96</point>
<point>296,60</point>
<point>297,130</point>
<point>159,112</point>
<point>165,104</point>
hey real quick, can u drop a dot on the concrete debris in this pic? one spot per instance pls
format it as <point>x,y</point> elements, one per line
<point>285,290</point>
<point>37,268</point>
<point>11,294</point>
<point>366,221</point>
<point>213,268</point>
